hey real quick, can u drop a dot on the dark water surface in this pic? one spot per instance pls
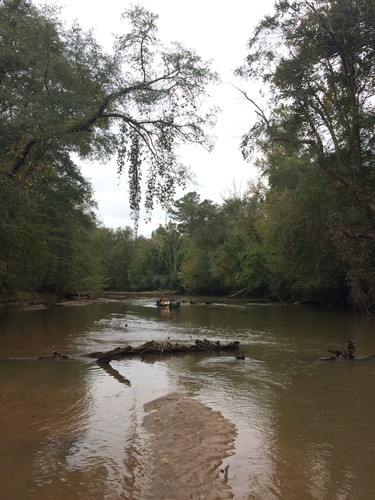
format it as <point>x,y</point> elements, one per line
<point>71,430</point>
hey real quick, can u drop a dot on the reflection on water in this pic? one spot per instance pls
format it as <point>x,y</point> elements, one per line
<point>72,430</point>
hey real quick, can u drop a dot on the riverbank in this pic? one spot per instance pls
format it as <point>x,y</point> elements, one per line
<point>188,443</point>
<point>45,301</point>
<point>29,301</point>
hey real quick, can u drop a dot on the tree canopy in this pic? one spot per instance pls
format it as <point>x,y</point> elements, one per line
<point>62,94</point>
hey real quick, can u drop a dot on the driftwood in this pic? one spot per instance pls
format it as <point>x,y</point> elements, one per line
<point>337,354</point>
<point>239,292</point>
<point>349,354</point>
<point>152,347</point>
<point>55,355</point>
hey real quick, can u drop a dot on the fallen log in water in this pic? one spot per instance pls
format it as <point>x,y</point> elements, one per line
<point>348,354</point>
<point>161,348</point>
<point>337,354</point>
<point>55,355</point>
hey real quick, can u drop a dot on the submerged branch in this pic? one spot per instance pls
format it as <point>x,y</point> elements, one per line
<point>348,355</point>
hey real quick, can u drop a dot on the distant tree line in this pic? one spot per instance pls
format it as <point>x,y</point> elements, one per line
<point>242,245</point>
<point>304,231</point>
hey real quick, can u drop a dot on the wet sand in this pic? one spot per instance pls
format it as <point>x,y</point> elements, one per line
<point>188,442</point>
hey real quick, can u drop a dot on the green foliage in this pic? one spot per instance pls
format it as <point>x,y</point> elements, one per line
<point>116,251</point>
<point>239,259</point>
<point>142,274</point>
<point>316,60</point>
<point>196,276</point>
<point>203,227</point>
<point>200,221</point>
<point>168,243</point>
<point>47,235</point>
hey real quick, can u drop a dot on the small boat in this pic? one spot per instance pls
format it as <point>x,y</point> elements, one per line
<point>162,303</point>
<point>174,305</point>
<point>170,303</point>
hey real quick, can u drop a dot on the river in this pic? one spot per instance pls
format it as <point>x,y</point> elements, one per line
<point>70,430</point>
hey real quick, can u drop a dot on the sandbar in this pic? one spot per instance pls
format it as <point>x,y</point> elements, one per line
<point>188,442</point>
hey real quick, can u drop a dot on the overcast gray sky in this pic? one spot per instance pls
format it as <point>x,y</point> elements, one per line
<point>217,31</point>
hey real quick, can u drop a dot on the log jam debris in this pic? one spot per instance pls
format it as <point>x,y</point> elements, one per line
<point>161,348</point>
<point>349,354</point>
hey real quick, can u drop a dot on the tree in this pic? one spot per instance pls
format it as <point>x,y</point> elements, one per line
<point>61,94</point>
<point>202,228</point>
<point>168,242</point>
<point>317,60</point>
<point>143,273</point>
<point>47,232</point>
<point>322,78</point>
<point>199,220</point>
<point>297,234</point>
<point>239,261</point>
<point>115,248</point>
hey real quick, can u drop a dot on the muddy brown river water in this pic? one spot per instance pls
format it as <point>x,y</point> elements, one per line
<point>71,430</point>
